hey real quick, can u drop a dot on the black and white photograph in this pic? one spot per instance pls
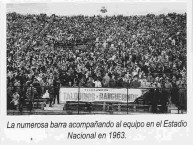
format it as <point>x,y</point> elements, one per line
<point>96,58</point>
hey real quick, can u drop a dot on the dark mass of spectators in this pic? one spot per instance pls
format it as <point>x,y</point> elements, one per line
<point>95,51</point>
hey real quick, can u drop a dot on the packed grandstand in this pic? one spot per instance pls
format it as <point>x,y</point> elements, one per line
<point>141,51</point>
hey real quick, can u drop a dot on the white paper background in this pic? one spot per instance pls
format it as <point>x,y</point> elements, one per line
<point>168,136</point>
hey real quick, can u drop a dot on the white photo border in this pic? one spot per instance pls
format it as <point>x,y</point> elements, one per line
<point>148,136</point>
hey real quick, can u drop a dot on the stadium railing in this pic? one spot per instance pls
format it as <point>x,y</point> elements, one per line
<point>85,100</point>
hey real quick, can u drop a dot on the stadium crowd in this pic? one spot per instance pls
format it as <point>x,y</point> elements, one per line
<point>95,51</point>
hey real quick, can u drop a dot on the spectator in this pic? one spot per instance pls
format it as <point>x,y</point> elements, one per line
<point>15,100</point>
<point>113,49</point>
<point>30,96</point>
<point>112,82</point>
<point>56,85</point>
<point>135,83</point>
<point>90,82</point>
<point>51,94</point>
<point>106,80</point>
<point>9,95</point>
<point>97,83</point>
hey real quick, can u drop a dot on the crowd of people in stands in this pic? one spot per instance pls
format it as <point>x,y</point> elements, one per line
<point>95,51</point>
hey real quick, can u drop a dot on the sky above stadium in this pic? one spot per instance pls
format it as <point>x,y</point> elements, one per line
<point>70,8</point>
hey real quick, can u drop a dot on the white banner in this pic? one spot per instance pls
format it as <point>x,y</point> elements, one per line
<point>99,94</point>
